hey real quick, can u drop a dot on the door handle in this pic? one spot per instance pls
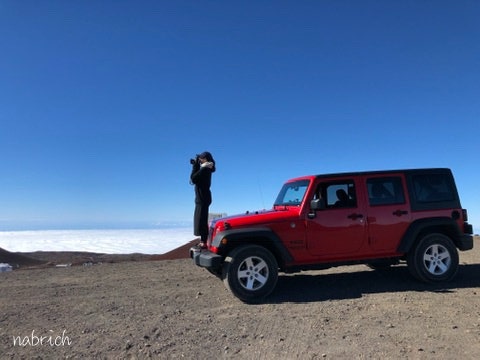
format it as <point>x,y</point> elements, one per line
<point>400,212</point>
<point>355,216</point>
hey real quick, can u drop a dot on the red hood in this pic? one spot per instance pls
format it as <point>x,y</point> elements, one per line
<point>279,213</point>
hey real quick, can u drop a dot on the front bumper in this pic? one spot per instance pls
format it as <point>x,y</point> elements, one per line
<point>205,258</point>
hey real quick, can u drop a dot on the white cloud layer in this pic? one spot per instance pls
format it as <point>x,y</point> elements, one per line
<point>149,241</point>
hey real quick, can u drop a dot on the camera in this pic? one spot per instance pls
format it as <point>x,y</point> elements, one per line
<point>194,161</point>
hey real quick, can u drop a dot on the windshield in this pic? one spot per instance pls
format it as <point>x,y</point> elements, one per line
<point>292,193</point>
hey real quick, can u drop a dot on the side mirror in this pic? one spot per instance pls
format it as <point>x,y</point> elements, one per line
<point>317,204</point>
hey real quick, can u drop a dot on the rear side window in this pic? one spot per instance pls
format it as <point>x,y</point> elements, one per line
<point>432,188</point>
<point>385,191</point>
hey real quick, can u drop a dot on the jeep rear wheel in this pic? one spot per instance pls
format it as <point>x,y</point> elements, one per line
<point>433,259</point>
<point>250,272</point>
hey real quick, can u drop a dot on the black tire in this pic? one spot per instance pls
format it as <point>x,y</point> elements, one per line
<point>433,259</point>
<point>250,272</point>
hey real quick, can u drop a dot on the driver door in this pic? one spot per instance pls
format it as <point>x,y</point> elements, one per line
<point>339,228</point>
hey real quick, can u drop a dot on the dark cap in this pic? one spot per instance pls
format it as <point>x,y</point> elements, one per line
<point>202,155</point>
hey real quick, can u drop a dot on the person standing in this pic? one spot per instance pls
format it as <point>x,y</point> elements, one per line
<point>202,168</point>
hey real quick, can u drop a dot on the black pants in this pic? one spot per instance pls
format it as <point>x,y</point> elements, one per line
<point>200,221</point>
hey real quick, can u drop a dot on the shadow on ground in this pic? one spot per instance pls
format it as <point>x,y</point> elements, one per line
<point>313,287</point>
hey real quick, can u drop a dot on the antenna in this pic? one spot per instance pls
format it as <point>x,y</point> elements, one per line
<point>261,192</point>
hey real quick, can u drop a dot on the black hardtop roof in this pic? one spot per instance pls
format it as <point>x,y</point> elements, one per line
<point>386,172</point>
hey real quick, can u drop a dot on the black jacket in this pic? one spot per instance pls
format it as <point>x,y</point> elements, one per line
<point>201,177</point>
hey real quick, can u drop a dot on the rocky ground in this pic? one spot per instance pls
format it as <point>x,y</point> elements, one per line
<point>136,306</point>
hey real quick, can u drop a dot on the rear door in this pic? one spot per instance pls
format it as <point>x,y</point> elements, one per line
<point>388,211</point>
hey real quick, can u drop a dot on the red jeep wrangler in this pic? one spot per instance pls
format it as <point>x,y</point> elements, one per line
<point>377,218</point>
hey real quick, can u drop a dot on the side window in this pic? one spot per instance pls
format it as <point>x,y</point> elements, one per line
<point>338,194</point>
<point>385,191</point>
<point>433,188</point>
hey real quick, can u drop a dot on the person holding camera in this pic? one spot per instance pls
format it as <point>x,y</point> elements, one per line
<point>202,168</point>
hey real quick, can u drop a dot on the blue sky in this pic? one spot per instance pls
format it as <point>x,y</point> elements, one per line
<point>102,103</point>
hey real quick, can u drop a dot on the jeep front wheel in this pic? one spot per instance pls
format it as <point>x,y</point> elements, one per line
<point>250,272</point>
<point>433,259</point>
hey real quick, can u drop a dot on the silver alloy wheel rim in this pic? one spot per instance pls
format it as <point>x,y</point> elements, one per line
<point>437,259</point>
<point>253,273</point>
